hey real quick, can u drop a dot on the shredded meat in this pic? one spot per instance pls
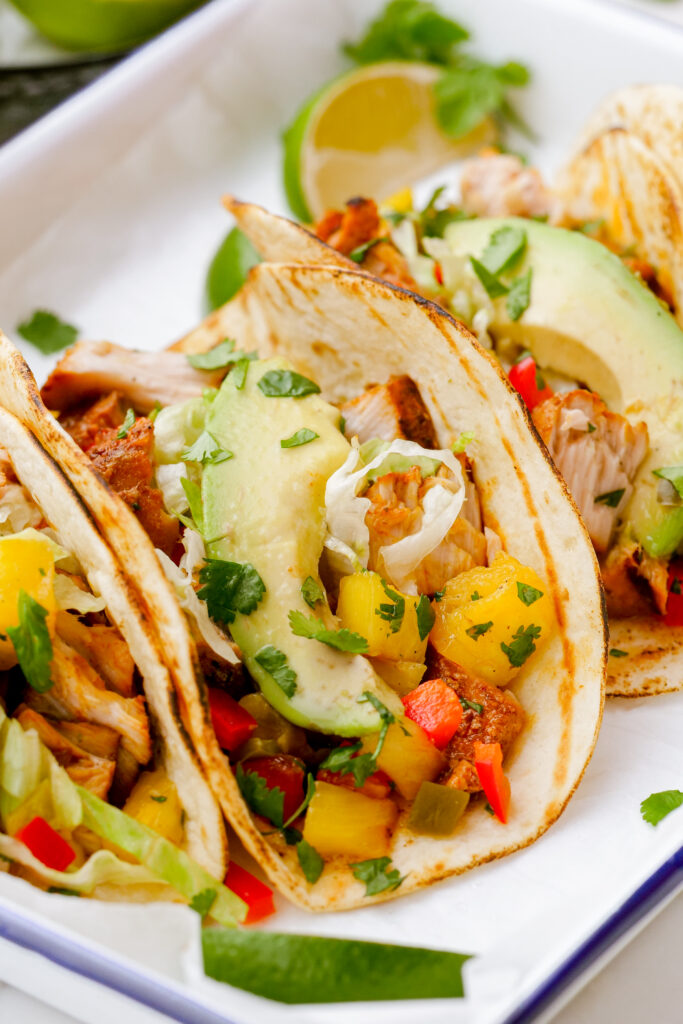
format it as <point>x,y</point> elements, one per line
<point>635,583</point>
<point>499,185</point>
<point>94,368</point>
<point>94,773</point>
<point>88,423</point>
<point>103,648</point>
<point>388,411</point>
<point>501,721</point>
<point>359,224</point>
<point>598,453</point>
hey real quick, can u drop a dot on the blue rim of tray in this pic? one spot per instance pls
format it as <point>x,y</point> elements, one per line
<point>76,956</point>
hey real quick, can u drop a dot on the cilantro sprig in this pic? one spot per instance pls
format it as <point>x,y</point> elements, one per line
<point>656,806</point>
<point>312,592</point>
<point>522,646</point>
<point>206,450</point>
<point>274,661</point>
<point>313,629</point>
<point>286,384</point>
<point>32,643</point>
<point>393,610</point>
<point>228,588</point>
<point>47,332</point>
<point>528,594</point>
<point>610,498</point>
<point>376,876</point>
<point>504,249</point>
<point>348,760</point>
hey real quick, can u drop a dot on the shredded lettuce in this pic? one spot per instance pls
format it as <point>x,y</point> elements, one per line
<point>102,868</point>
<point>169,479</point>
<point>17,510</point>
<point>70,597</point>
<point>177,427</point>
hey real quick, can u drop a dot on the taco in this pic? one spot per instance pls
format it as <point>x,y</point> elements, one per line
<point>385,607</point>
<point>101,791</point>
<point>593,352</point>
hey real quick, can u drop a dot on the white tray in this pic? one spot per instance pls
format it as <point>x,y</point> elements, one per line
<point>110,213</point>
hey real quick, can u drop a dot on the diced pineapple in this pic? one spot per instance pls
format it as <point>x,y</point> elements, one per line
<point>491,619</point>
<point>399,202</point>
<point>402,676</point>
<point>386,617</point>
<point>26,563</point>
<point>408,756</point>
<point>339,821</point>
<point>154,802</point>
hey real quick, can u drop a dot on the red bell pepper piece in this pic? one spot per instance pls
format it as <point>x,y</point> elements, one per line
<point>283,772</point>
<point>436,708</point>
<point>231,722</point>
<point>674,601</point>
<point>438,273</point>
<point>378,785</point>
<point>526,378</point>
<point>46,845</point>
<point>257,896</point>
<point>488,760</point>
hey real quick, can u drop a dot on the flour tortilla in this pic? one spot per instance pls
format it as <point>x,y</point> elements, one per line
<point>655,651</point>
<point>39,449</point>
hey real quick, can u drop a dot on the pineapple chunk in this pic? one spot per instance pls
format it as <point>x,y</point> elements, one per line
<point>366,607</point>
<point>339,821</point>
<point>402,676</point>
<point>491,619</point>
<point>408,756</point>
<point>398,202</point>
<point>154,802</point>
<point>26,563</point>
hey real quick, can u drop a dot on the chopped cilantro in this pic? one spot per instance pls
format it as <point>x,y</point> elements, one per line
<point>303,436</point>
<point>347,760</point>
<point>206,450</point>
<point>203,901</point>
<point>228,588</point>
<point>674,474</point>
<point>392,612</point>
<point>220,356</point>
<point>475,596</point>
<point>489,809</point>
<point>375,875</point>
<point>493,286</point>
<point>61,891</point>
<point>275,663</point>
<point>310,860</point>
<point>286,384</point>
<point>342,424</point>
<point>32,643</point>
<point>425,616</point>
<point>127,424</point>
<point>238,374</point>
<point>528,594</point>
<point>504,248</point>
<point>438,595</point>
<point>312,592</point>
<point>313,629</point>
<point>310,792</point>
<point>359,253</point>
<point>47,332</point>
<point>519,295</point>
<point>591,428</point>
<point>610,498</point>
<point>479,629</point>
<point>658,805</point>
<point>522,645</point>
<point>472,705</point>
<point>616,653</point>
<point>461,441</point>
<point>675,587</point>
<point>433,220</point>
<point>267,801</point>
<point>193,493</point>
<point>159,799</point>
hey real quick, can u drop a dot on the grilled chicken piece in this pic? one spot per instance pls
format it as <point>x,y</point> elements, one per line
<point>396,511</point>
<point>103,648</point>
<point>499,185</point>
<point>95,773</point>
<point>126,465</point>
<point>94,368</point>
<point>597,452</point>
<point>388,411</point>
<point>95,739</point>
<point>359,224</point>
<point>635,583</point>
<point>86,423</point>
<point>77,692</point>
<point>501,720</point>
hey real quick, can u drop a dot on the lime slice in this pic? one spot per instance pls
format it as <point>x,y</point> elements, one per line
<point>229,268</point>
<point>370,132</point>
<point>309,969</point>
<point>102,25</point>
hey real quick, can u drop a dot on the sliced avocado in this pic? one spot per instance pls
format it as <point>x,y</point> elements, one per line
<point>593,320</point>
<point>266,506</point>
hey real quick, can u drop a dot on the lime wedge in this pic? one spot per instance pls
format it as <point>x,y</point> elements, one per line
<point>309,969</point>
<point>370,132</point>
<point>102,25</point>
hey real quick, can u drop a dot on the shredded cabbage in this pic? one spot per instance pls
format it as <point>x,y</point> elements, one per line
<point>168,481</point>
<point>17,510</point>
<point>421,267</point>
<point>468,298</point>
<point>70,597</point>
<point>181,578</point>
<point>177,427</point>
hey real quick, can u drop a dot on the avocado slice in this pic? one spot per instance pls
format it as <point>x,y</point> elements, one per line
<point>593,320</point>
<point>266,506</point>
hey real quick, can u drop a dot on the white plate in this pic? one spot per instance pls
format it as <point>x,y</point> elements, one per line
<point>110,212</point>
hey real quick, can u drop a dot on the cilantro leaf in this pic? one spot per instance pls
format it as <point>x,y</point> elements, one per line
<point>472,705</point>
<point>478,629</point>
<point>360,252</point>
<point>267,801</point>
<point>674,474</point>
<point>433,220</point>
<point>310,860</point>
<point>193,493</point>
<point>528,594</point>
<point>519,295</point>
<point>375,875</point>
<point>616,653</point>
<point>493,286</point>
<point>591,428</point>
<point>475,596</point>
<point>310,792</point>
<point>610,498</point>
<point>392,612</point>
<point>275,663</point>
<point>313,629</point>
<point>218,358</point>
<point>206,450</point>
<point>299,437</point>
<point>425,616</point>
<point>522,646</point>
<point>347,761</point>
<point>229,587</point>
<point>32,643</point>
<point>286,384</point>
<point>312,592</point>
<point>675,587</point>
<point>159,799</point>
<point>658,805</point>
<point>238,374</point>
<point>128,423</point>
<point>438,595</point>
<point>203,901</point>
<point>408,30</point>
<point>47,332</point>
<point>504,248</point>
<point>61,891</point>
<point>471,90</point>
